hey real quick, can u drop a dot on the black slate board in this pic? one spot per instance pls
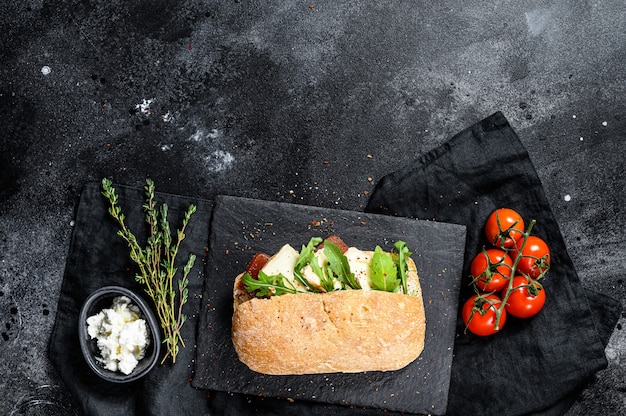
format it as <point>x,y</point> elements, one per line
<point>241,227</point>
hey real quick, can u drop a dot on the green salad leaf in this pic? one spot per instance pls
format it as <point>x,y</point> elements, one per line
<point>384,272</point>
<point>268,285</point>
<point>387,272</point>
<point>307,256</point>
<point>338,266</point>
<point>402,262</point>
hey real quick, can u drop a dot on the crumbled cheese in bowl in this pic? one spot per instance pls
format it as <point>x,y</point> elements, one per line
<point>121,334</point>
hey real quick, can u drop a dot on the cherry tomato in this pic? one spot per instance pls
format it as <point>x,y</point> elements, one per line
<point>491,269</point>
<point>535,260</point>
<point>526,299</point>
<point>504,228</point>
<point>479,314</point>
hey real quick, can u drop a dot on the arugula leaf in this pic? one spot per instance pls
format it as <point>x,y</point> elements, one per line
<point>327,282</point>
<point>338,266</point>
<point>401,262</point>
<point>384,273</point>
<point>306,256</point>
<point>268,285</point>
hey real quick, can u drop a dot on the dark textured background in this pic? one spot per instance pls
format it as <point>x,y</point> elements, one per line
<point>302,102</point>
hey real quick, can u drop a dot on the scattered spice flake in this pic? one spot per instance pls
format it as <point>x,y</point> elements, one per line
<point>369,156</point>
<point>326,162</point>
<point>311,6</point>
<point>369,179</point>
<point>319,223</point>
<point>190,46</point>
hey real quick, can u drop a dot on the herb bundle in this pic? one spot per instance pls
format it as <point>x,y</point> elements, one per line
<point>156,262</point>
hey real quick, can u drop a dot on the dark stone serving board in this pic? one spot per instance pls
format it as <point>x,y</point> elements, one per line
<point>241,227</point>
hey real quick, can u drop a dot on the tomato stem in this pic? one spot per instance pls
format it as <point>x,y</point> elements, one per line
<point>510,287</point>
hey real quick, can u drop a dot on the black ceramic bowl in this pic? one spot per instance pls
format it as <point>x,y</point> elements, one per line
<point>102,299</point>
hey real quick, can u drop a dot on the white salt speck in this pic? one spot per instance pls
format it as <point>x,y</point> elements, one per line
<point>167,117</point>
<point>573,115</point>
<point>581,138</point>
<point>144,106</point>
<point>166,147</point>
<point>604,123</point>
<point>197,136</point>
<point>46,70</point>
<point>213,134</point>
<point>72,223</point>
<point>201,135</point>
<point>219,161</point>
<point>567,198</point>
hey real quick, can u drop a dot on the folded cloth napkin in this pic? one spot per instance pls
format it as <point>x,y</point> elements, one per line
<point>535,365</point>
<point>99,257</point>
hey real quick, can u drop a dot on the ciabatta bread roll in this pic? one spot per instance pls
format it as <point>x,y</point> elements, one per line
<point>347,330</point>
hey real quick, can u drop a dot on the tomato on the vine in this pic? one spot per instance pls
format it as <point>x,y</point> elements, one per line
<point>491,269</point>
<point>479,314</point>
<point>535,257</point>
<point>526,299</point>
<point>504,228</point>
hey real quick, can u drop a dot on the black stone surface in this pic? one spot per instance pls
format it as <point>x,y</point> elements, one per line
<point>241,227</point>
<point>304,102</point>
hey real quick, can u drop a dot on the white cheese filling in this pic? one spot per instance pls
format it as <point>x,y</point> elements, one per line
<point>121,334</point>
<point>284,261</point>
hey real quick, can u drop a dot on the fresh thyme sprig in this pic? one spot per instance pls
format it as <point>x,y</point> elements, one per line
<point>156,262</point>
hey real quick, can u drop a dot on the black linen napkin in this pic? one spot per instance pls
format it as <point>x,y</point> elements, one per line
<point>532,366</point>
<point>99,257</point>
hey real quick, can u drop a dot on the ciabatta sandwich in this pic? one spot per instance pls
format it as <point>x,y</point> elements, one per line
<point>328,308</point>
